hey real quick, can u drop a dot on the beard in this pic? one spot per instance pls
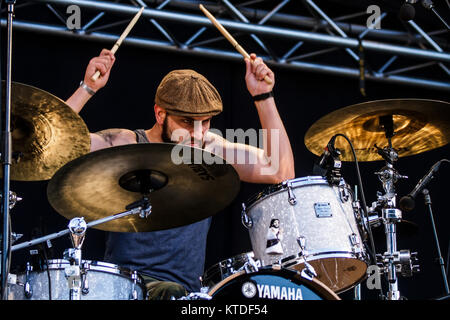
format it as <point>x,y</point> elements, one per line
<point>166,136</point>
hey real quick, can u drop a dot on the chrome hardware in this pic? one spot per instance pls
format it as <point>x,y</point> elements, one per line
<point>134,294</point>
<point>356,245</point>
<point>344,194</point>
<point>245,219</point>
<point>291,195</point>
<point>301,241</point>
<point>28,290</point>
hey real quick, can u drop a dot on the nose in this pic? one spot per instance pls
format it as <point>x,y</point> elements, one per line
<point>197,133</point>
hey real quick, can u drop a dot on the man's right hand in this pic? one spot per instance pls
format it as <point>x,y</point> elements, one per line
<point>102,63</point>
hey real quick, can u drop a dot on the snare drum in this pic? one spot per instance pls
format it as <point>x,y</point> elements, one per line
<point>308,219</point>
<point>99,280</point>
<point>270,283</point>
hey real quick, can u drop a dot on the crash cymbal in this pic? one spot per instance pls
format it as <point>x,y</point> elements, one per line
<point>46,133</point>
<point>419,126</point>
<point>103,183</point>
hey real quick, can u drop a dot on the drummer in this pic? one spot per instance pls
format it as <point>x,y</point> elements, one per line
<point>171,261</point>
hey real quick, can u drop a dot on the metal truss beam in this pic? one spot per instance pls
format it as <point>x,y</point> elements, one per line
<point>419,58</point>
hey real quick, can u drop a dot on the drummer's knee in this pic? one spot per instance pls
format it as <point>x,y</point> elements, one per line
<point>164,290</point>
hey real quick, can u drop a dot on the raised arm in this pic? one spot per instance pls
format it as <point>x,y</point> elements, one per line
<point>81,96</point>
<point>109,137</point>
<point>273,162</point>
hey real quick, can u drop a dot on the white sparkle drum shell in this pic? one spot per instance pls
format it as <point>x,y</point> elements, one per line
<point>313,214</point>
<point>104,281</point>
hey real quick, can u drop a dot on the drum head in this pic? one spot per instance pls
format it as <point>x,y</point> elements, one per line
<point>272,284</point>
<point>337,271</point>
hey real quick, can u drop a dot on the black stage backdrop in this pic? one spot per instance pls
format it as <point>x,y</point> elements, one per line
<point>57,64</point>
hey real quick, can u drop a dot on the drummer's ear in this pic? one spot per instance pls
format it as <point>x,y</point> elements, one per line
<point>160,114</point>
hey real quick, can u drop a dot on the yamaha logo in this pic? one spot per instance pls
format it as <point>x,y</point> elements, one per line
<point>249,289</point>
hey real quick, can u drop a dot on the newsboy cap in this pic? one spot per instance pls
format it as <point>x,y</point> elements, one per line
<point>188,93</point>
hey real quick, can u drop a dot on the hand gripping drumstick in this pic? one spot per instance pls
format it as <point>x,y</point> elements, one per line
<point>122,37</point>
<point>230,38</point>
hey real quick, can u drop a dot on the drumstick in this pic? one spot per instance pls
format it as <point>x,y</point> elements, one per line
<point>229,37</point>
<point>122,37</point>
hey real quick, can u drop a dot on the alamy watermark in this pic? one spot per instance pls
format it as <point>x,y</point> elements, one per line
<point>237,147</point>
<point>73,22</point>
<point>373,277</point>
<point>373,21</point>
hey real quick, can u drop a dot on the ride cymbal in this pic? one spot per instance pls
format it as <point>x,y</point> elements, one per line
<point>419,126</point>
<point>103,183</point>
<point>45,132</point>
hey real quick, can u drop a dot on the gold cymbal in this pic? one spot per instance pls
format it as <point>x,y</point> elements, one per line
<point>103,183</point>
<point>419,126</point>
<point>46,133</point>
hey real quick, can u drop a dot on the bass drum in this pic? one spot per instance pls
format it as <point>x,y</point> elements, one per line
<point>270,283</point>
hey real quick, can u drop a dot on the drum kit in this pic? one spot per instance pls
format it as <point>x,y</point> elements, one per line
<point>311,237</point>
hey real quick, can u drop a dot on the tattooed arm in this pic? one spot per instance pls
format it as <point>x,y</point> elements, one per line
<point>111,137</point>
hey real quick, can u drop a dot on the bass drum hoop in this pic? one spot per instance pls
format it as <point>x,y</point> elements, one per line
<point>321,288</point>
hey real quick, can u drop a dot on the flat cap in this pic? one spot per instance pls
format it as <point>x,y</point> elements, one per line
<point>188,93</point>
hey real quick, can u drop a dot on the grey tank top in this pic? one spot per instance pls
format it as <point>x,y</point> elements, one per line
<point>176,254</point>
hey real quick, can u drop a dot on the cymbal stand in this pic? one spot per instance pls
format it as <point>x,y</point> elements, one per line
<point>392,261</point>
<point>143,210</point>
<point>6,153</point>
<point>73,272</point>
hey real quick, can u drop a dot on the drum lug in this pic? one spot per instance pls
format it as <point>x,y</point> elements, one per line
<point>291,195</point>
<point>356,245</point>
<point>344,194</point>
<point>301,241</point>
<point>245,219</point>
<point>251,265</point>
<point>134,294</point>
<point>28,290</point>
<point>84,280</point>
<point>308,272</point>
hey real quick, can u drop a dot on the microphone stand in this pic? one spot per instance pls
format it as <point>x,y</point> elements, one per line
<point>6,156</point>
<point>427,200</point>
<point>428,4</point>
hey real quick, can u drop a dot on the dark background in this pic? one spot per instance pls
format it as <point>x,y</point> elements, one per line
<point>57,64</point>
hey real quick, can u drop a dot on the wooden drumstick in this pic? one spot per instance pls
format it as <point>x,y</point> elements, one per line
<point>122,37</point>
<point>230,38</point>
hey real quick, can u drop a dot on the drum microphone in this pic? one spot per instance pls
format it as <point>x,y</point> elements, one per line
<point>330,152</point>
<point>329,164</point>
<point>407,202</point>
<point>407,11</point>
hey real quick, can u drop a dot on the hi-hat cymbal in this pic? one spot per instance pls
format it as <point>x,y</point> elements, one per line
<point>419,126</point>
<point>46,133</point>
<point>103,183</point>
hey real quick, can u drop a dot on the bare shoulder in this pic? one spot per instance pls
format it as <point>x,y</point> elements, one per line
<point>111,137</point>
